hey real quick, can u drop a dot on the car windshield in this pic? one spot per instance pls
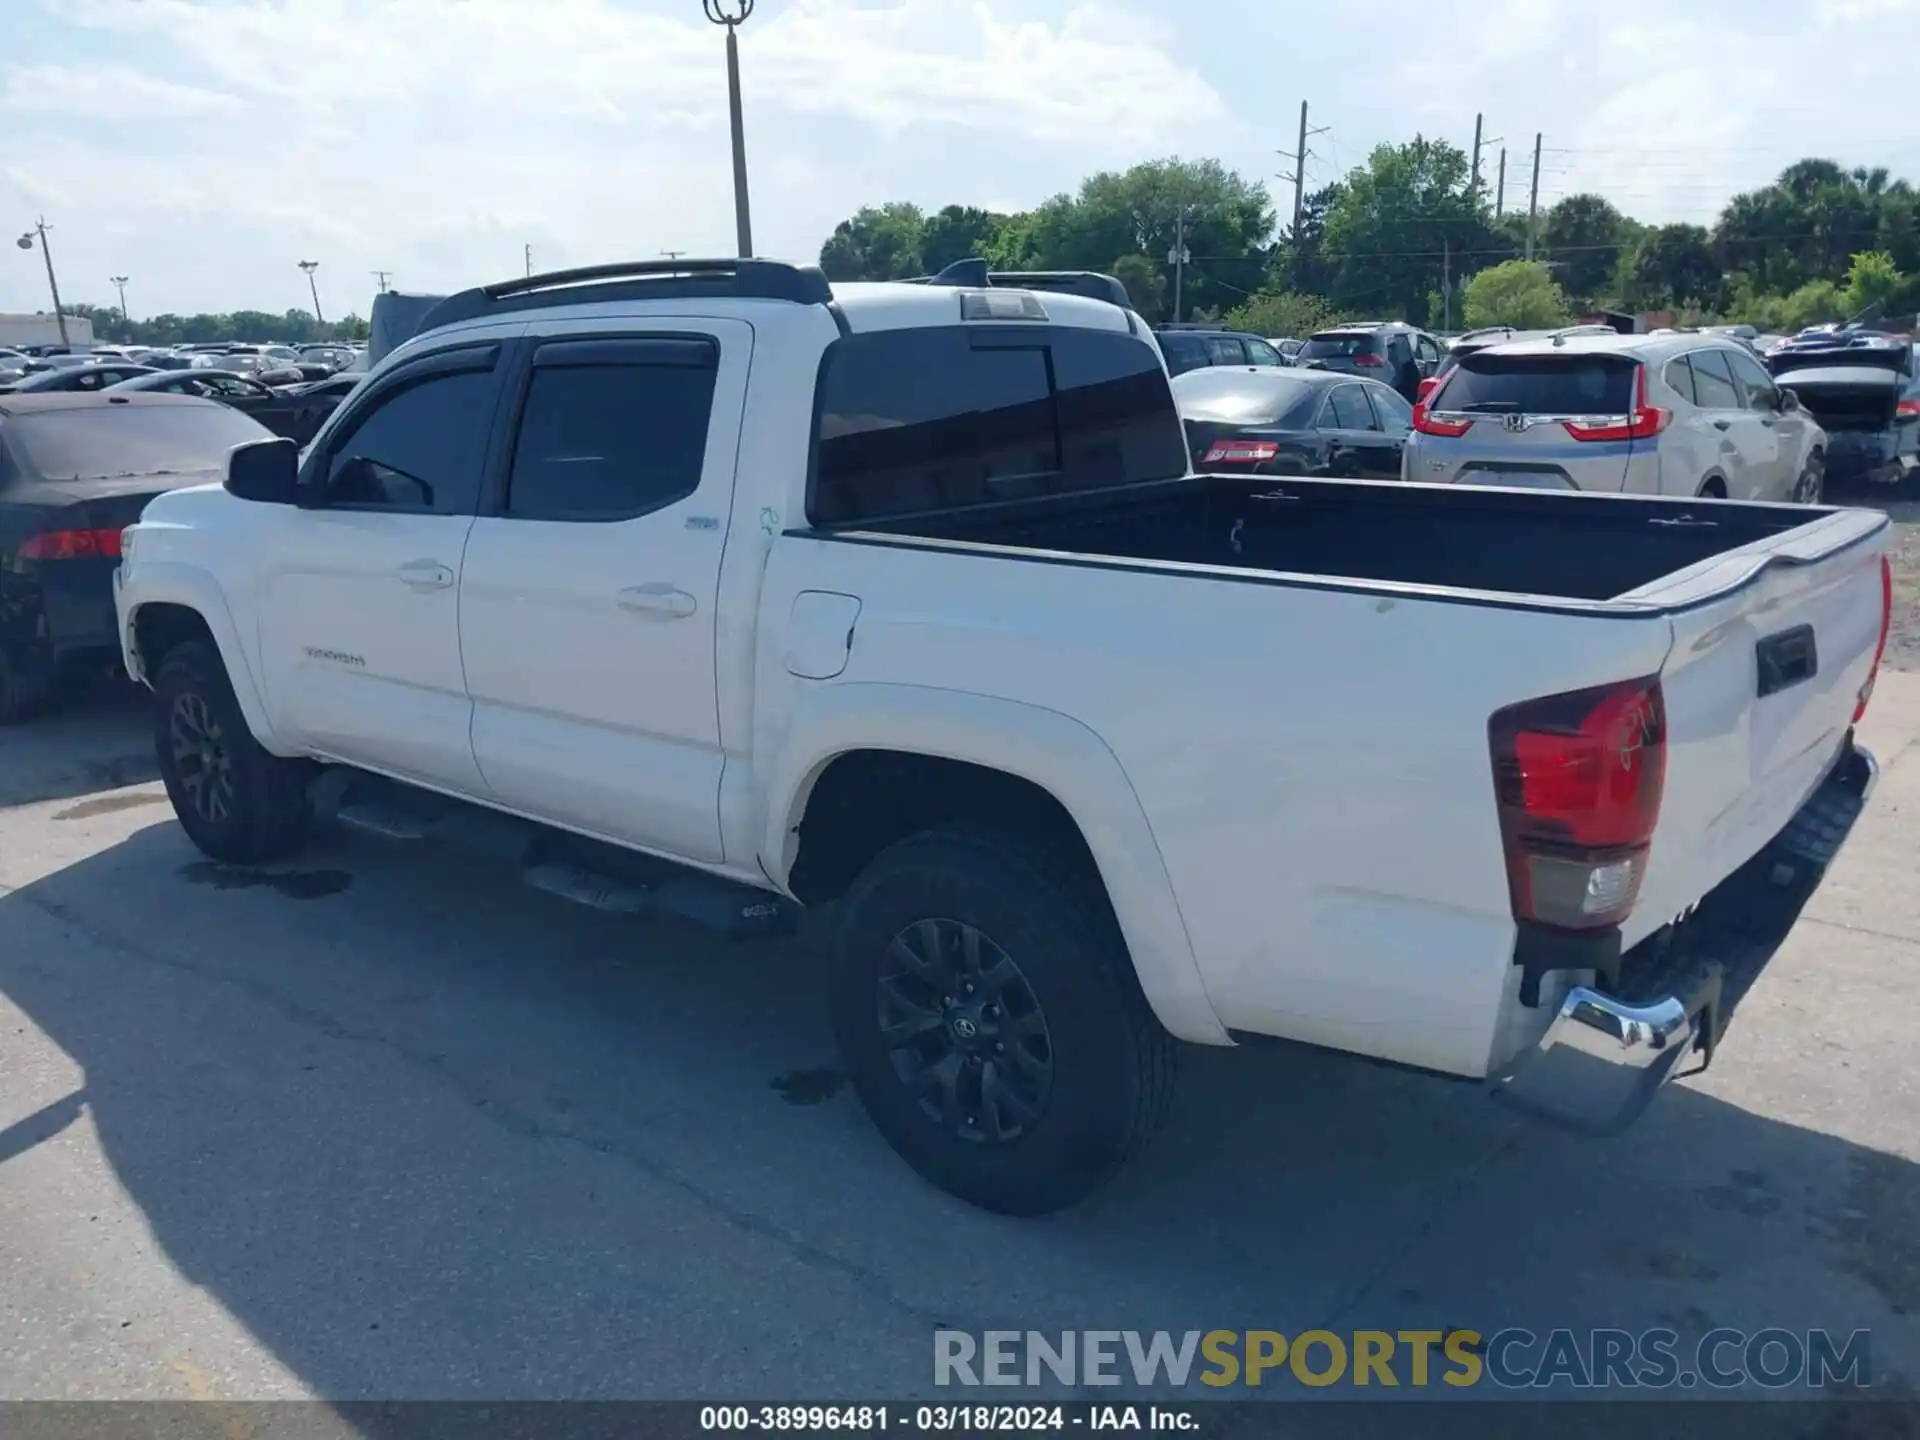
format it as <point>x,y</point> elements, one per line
<point>1338,347</point>
<point>1539,385</point>
<point>115,440</point>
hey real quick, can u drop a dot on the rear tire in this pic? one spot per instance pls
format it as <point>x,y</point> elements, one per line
<point>22,695</point>
<point>236,802</point>
<point>1714,489</point>
<point>1021,1065</point>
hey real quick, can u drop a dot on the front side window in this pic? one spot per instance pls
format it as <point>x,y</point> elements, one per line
<point>939,417</point>
<point>1754,380</point>
<point>418,448</point>
<point>1261,353</point>
<point>604,439</point>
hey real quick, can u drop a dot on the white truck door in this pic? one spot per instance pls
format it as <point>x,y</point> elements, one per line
<point>359,610</point>
<point>587,601</point>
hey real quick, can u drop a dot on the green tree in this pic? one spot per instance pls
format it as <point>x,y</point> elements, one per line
<point>1146,285</point>
<point>957,232</point>
<point>1673,265</point>
<point>1872,279</point>
<point>1401,222</point>
<point>1583,235</point>
<point>880,243</point>
<point>1282,314</point>
<point>1517,292</point>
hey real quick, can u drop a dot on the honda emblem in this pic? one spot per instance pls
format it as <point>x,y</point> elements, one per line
<point>1513,423</point>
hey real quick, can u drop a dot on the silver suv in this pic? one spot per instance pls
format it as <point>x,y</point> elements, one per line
<point>1678,414</point>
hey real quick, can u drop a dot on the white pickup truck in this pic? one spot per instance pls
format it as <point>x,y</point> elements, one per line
<point>742,592</point>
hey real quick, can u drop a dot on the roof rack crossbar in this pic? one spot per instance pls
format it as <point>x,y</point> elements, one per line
<point>743,279</point>
<point>973,274</point>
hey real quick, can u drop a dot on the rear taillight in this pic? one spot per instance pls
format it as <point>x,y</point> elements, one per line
<point>1578,779</point>
<point>1369,361</point>
<point>1240,452</point>
<point>1427,423</point>
<point>1644,423</point>
<point>1879,650</point>
<point>72,545</point>
<point>1908,409</point>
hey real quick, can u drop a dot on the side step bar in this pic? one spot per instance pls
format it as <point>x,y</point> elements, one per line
<point>586,872</point>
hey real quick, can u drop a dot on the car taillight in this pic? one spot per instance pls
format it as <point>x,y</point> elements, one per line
<point>1427,423</point>
<point>1644,423</point>
<point>1908,409</point>
<point>1369,360</point>
<point>1240,452</point>
<point>72,545</point>
<point>1879,650</point>
<point>1578,779</point>
<point>1431,384</point>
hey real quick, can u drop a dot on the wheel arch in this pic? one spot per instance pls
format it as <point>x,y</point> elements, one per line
<point>1050,768</point>
<point>175,603</point>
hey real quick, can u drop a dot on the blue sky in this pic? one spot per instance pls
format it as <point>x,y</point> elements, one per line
<point>202,147</point>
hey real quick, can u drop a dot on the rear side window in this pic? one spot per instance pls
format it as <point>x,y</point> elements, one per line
<point>1539,385</point>
<point>1396,416</point>
<point>1339,347</point>
<point>1348,410</point>
<point>1261,353</point>
<point>1679,376</point>
<point>1184,353</point>
<point>1226,350</point>
<point>612,429</point>
<point>939,417</point>
<point>1713,387</point>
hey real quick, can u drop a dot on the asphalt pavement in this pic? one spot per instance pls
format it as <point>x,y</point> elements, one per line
<point>382,1123</point>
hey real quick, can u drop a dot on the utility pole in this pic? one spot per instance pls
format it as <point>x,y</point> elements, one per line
<point>25,242</point>
<point>313,285</point>
<point>1478,122</point>
<point>1177,257</point>
<point>1533,197</point>
<point>529,257</point>
<point>733,14</point>
<point>1500,195</point>
<point>1298,177</point>
<point>1446,282</point>
<point>673,254</point>
<point>120,284</point>
<point>381,277</point>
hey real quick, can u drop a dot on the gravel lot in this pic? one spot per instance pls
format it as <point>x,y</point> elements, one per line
<point>381,1124</point>
<point>1903,641</point>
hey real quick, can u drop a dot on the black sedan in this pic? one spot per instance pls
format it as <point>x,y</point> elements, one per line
<point>75,470</point>
<point>78,379</point>
<point>273,409</point>
<point>1292,422</point>
<point>314,403</point>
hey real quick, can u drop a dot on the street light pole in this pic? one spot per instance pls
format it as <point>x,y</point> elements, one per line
<point>25,242</point>
<point>733,14</point>
<point>120,284</point>
<point>310,266</point>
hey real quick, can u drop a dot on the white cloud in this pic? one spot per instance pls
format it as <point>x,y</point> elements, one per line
<point>112,92</point>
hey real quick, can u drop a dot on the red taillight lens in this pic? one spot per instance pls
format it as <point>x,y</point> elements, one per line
<point>1644,423</point>
<point>1886,628</point>
<point>1240,452</point>
<point>1369,361</point>
<point>1426,389</point>
<point>72,545</point>
<point>1578,778</point>
<point>1908,409</point>
<point>1427,423</point>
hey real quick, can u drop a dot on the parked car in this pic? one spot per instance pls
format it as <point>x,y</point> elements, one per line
<point>74,470</point>
<point>1864,390</point>
<point>1682,414</point>
<point>1094,753</point>
<point>313,403</point>
<point>334,357</point>
<point>1194,347</point>
<point>277,412</point>
<point>1289,348</point>
<point>1380,349</point>
<point>1292,422</point>
<point>98,375</point>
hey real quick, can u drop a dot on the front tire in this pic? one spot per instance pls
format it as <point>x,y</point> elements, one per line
<point>236,802</point>
<point>1811,486</point>
<point>987,1014</point>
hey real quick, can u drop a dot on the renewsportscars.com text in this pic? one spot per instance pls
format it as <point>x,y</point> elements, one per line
<point>1512,1359</point>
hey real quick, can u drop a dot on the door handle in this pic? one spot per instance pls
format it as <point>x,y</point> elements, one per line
<point>659,600</point>
<point>1723,424</point>
<point>426,575</point>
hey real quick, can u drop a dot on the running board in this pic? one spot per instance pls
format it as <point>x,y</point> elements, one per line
<point>586,872</point>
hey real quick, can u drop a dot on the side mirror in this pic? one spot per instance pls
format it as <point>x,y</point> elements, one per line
<point>264,470</point>
<point>1789,401</point>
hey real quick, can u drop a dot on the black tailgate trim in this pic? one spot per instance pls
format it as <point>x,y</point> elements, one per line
<point>1787,659</point>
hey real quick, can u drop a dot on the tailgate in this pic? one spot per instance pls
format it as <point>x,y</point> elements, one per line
<point>1559,420</point>
<point>1760,686</point>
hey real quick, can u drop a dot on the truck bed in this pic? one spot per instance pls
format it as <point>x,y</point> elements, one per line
<point>1581,547</point>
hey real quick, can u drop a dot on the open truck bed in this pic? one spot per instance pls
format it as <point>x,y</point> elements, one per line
<point>1574,547</point>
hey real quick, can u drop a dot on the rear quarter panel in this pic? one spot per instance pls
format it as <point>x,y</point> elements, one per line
<point>1312,761</point>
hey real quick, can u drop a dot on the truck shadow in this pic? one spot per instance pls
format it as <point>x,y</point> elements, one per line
<point>425,1138</point>
<point>96,740</point>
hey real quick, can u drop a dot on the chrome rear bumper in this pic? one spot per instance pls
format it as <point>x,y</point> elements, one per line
<point>1604,1057</point>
